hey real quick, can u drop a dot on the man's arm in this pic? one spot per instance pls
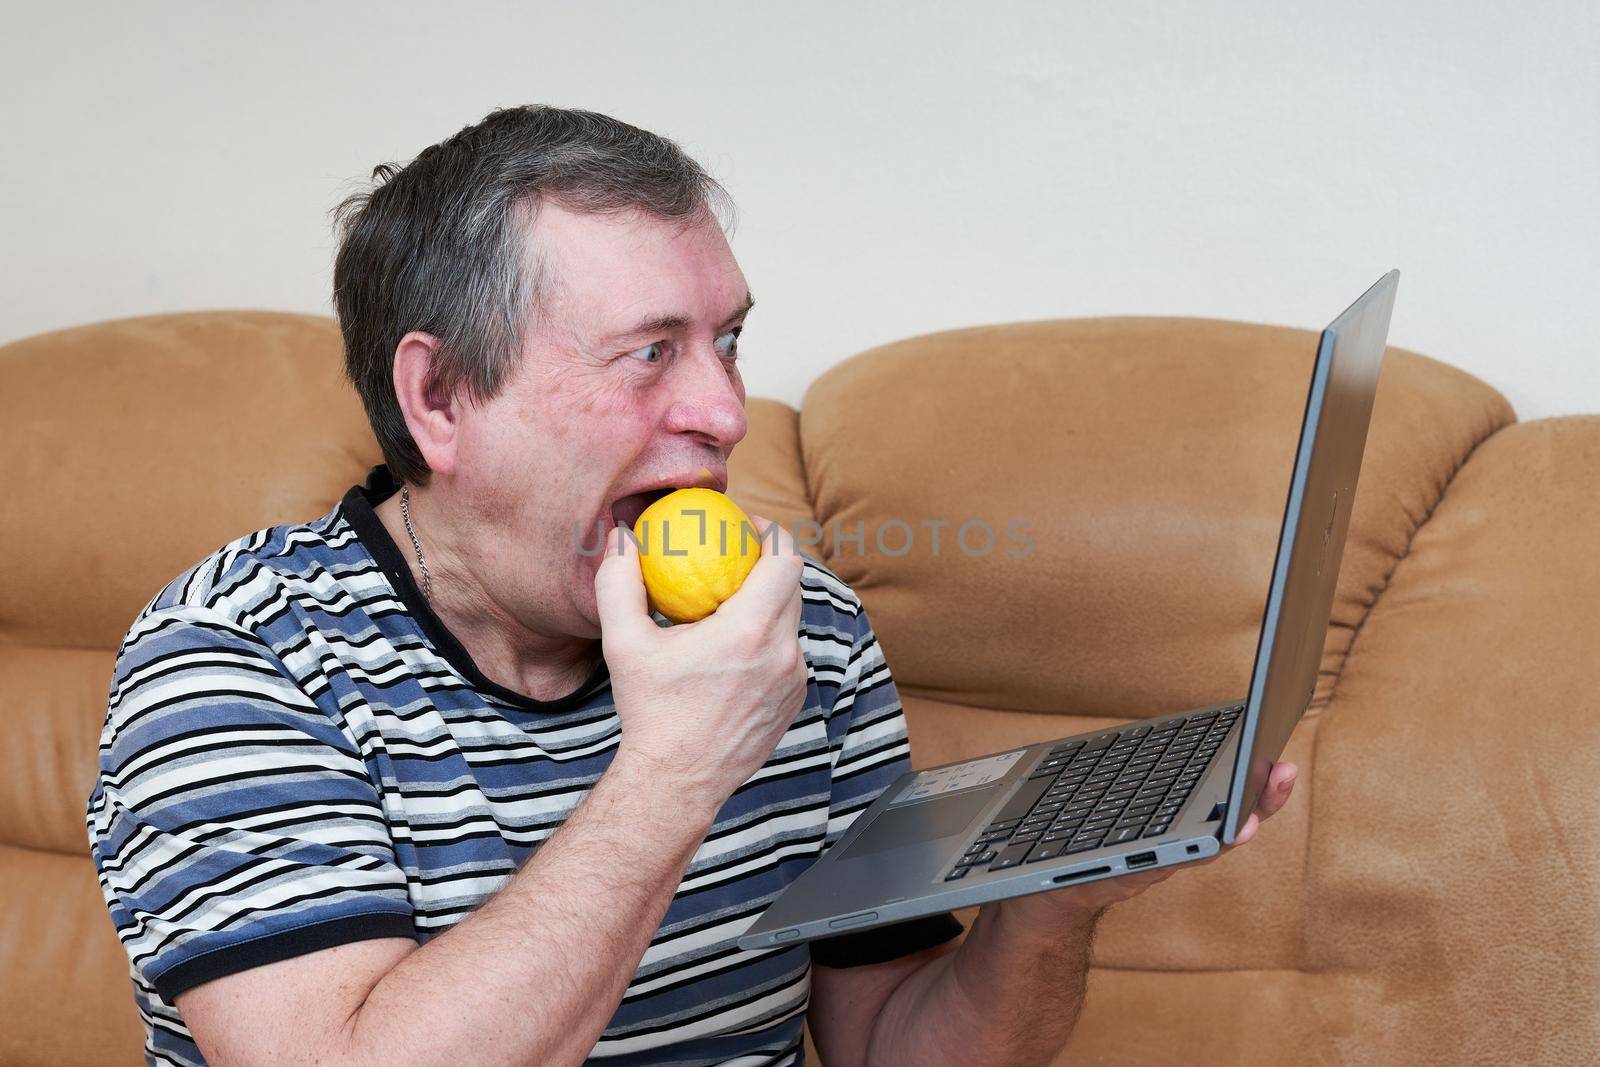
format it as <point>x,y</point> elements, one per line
<point>532,976</point>
<point>1009,995</point>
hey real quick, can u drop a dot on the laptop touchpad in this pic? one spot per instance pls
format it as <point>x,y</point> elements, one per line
<point>915,823</point>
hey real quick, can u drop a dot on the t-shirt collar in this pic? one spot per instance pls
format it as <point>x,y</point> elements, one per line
<point>358,506</point>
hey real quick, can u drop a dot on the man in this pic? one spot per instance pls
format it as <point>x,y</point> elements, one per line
<point>423,781</point>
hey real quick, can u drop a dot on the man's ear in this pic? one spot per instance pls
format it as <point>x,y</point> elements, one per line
<point>431,414</point>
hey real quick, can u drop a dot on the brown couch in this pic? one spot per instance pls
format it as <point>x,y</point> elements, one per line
<point>1430,894</point>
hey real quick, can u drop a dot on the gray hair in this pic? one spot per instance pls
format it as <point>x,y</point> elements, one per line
<point>440,246</point>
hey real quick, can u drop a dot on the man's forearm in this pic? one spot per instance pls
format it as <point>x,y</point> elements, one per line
<point>534,975</point>
<point>1008,996</point>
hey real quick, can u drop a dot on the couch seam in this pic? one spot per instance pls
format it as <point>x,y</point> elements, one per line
<point>46,850</point>
<point>34,646</point>
<point>800,458</point>
<point>1405,553</point>
<point>1203,970</point>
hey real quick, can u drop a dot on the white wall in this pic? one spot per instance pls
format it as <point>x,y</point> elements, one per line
<point>900,167</point>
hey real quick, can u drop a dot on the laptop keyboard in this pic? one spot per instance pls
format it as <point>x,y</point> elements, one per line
<point>1106,791</point>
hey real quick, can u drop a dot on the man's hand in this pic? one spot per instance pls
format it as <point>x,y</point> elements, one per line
<point>708,700</point>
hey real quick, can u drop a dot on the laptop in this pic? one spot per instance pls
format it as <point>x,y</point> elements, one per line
<point>1153,793</point>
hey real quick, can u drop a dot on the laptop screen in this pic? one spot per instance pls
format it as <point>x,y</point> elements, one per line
<point>1322,491</point>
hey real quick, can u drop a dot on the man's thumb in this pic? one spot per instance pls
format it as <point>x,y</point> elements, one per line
<point>619,594</point>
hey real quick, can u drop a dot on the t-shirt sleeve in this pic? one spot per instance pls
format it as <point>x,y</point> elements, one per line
<point>874,751</point>
<point>233,823</point>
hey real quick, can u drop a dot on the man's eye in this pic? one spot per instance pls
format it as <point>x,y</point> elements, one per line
<point>728,344</point>
<point>648,354</point>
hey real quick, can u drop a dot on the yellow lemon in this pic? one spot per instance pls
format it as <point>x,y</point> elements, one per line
<point>695,549</point>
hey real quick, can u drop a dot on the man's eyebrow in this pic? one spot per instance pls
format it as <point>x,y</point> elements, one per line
<point>742,309</point>
<point>667,323</point>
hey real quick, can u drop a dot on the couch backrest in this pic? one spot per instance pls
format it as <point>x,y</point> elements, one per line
<point>1148,461</point>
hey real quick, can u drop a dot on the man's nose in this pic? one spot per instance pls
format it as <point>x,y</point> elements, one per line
<point>708,400</point>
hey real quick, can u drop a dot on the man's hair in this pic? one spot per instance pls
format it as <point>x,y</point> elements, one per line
<point>441,245</point>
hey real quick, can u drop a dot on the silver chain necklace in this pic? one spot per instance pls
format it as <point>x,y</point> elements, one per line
<point>405,513</point>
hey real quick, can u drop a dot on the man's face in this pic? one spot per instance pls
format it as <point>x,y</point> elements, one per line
<point>628,387</point>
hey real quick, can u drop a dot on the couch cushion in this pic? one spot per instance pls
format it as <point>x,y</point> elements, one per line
<point>1455,845</point>
<point>53,705</point>
<point>765,474</point>
<point>63,975</point>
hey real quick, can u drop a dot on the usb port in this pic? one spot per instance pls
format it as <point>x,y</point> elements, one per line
<point>1143,859</point>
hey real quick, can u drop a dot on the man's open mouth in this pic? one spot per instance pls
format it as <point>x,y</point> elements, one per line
<point>625,511</point>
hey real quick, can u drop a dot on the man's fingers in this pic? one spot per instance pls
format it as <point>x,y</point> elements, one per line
<point>619,587</point>
<point>772,587</point>
<point>1274,795</point>
<point>776,542</point>
<point>1280,785</point>
<point>786,548</point>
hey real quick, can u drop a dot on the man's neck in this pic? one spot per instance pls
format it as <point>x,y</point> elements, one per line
<point>536,665</point>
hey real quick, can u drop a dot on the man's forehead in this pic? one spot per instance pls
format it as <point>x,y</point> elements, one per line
<point>624,273</point>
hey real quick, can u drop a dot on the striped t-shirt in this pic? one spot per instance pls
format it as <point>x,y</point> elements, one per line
<point>297,754</point>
